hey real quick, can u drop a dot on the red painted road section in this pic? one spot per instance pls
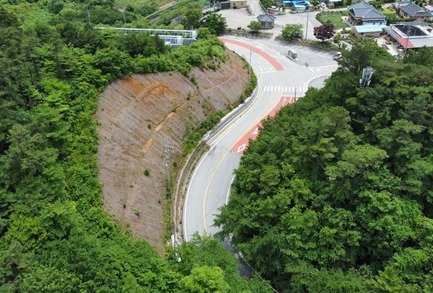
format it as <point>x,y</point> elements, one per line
<point>277,65</point>
<point>242,144</point>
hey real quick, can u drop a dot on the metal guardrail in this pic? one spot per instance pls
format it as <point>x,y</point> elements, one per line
<point>230,117</point>
<point>192,160</point>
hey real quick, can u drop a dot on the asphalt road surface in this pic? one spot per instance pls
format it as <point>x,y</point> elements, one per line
<point>280,82</point>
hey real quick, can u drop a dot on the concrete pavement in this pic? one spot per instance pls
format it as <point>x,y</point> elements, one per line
<point>240,18</point>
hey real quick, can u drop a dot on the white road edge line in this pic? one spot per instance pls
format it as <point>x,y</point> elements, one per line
<point>228,191</point>
<point>262,116</point>
<point>214,141</point>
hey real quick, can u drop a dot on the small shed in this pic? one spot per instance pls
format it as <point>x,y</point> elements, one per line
<point>266,20</point>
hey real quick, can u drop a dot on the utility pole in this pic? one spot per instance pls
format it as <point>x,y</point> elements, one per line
<point>168,150</point>
<point>249,68</point>
<point>407,43</point>
<point>306,25</point>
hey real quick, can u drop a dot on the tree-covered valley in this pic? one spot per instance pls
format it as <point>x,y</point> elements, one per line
<point>54,233</point>
<point>336,193</point>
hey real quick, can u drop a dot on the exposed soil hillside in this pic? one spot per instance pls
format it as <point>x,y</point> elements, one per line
<point>142,120</point>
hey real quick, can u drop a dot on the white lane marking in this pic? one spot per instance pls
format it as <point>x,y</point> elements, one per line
<point>261,116</point>
<point>186,196</point>
<point>228,191</point>
<point>286,89</point>
<point>310,80</point>
<point>241,148</point>
<point>216,168</point>
<point>215,140</point>
<point>218,138</point>
<point>256,131</point>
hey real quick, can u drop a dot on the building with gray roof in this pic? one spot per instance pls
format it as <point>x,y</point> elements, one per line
<point>413,11</point>
<point>266,20</point>
<point>364,13</point>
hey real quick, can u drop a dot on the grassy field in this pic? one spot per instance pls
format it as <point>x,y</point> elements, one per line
<point>391,15</point>
<point>333,17</point>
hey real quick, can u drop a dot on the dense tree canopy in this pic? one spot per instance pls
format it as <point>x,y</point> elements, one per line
<point>215,23</point>
<point>54,234</point>
<point>336,193</point>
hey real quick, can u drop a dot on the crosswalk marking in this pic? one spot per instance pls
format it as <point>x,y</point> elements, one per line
<point>284,89</point>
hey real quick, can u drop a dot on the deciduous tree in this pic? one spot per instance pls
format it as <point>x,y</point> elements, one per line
<point>324,32</point>
<point>292,32</point>
<point>255,27</point>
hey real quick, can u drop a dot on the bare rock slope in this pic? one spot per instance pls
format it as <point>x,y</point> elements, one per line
<point>142,120</point>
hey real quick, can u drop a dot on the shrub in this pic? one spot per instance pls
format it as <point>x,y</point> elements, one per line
<point>292,32</point>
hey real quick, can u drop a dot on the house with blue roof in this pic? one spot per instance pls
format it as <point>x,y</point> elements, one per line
<point>297,4</point>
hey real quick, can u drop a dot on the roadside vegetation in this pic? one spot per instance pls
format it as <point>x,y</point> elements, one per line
<point>391,15</point>
<point>267,3</point>
<point>194,135</point>
<point>174,14</point>
<point>255,27</point>
<point>140,3</point>
<point>333,17</point>
<point>54,234</point>
<point>292,32</point>
<point>335,194</point>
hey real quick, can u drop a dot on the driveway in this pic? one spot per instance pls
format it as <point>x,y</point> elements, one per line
<point>240,18</point>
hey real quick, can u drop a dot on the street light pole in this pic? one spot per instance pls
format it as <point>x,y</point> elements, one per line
<point>306,25</point>
<point>249,68</point>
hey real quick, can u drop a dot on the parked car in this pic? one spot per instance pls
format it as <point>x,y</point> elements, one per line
<point>292,54</point>
<point>337,55</point>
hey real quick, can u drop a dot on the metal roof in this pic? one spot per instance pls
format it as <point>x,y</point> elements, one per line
<point>414,10</point>
<point>266,17</point>
<point>365,10</point>
<point>369,28</point>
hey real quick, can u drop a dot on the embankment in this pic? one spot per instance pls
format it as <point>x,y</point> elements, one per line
<point>142,120</point>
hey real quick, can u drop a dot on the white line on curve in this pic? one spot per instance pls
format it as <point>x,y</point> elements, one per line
<point>218,138</point>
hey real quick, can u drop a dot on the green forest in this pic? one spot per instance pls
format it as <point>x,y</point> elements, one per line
<point>54,234</point>
<point>336,193</point>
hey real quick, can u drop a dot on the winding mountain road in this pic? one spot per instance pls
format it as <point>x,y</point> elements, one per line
<point>280,82</point>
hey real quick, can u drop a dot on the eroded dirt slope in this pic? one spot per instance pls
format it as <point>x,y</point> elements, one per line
<point>141,122</point>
